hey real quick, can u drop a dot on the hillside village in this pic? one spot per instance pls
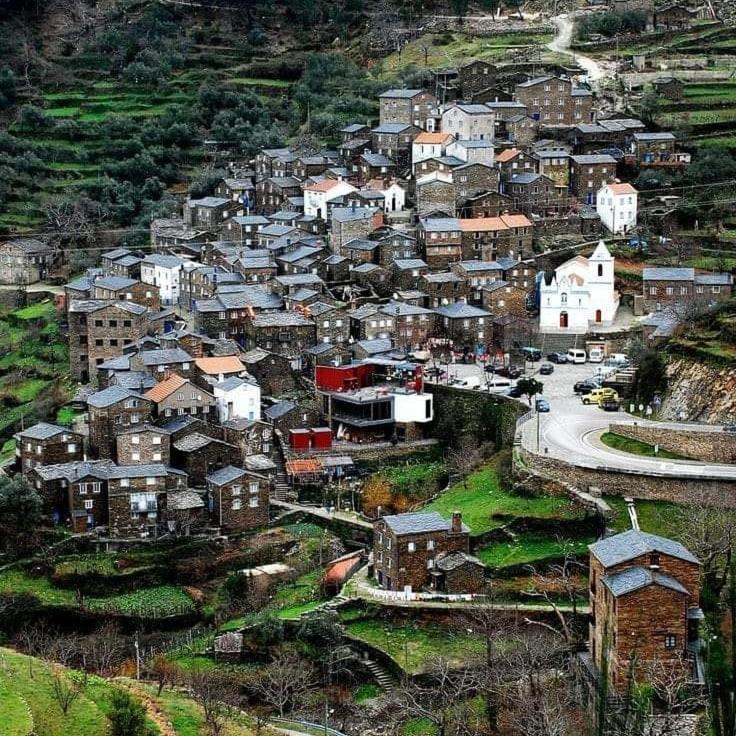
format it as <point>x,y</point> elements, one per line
<point>392,433</point>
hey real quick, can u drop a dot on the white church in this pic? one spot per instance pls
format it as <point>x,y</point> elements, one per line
<point>580,294</point>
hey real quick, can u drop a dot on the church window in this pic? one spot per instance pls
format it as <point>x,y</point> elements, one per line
<point>600,269</point>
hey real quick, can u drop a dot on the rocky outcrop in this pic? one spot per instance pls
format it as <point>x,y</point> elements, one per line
<point>700,392</point>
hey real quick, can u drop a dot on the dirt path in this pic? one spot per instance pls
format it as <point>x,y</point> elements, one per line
<point>561,45</point>
<point>152,709</point>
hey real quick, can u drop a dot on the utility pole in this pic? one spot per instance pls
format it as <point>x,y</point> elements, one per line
<point>537,430</point>
<point>136,644</point>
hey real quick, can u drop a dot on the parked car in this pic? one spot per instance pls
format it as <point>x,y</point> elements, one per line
<point>595,355</point>
<point>557,358</point>
<point>729,427</point>
<point>638,243</point>
<point>515,392</point>
<point>597,395</point>
<point>532,354</point>
<point>541,405</point>
<point>510,371</point>
<point>610,405</point>
<point>546,369</point>
<point>576,356</point>
<point>586,386</point>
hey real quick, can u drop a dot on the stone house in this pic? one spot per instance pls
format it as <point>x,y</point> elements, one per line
<point>408,106</point>
<point>407,272</point>
<point>143,444</point>
<point>272,193</point>
<point>198,454</point>
<point>444,287</point>
<point>466,325</point>
<point>503,299</point>
<point>25,261</point>
<point>589,173</point>
<point>394,244</point>
<point>286,415</point>
<point>652,148</point>
<point>136,497</point>
<point>555,163</point>
<point>682,290</point>
<point>512,161</point>
<point>110,411</point>
<point>473,178</point>
<point>227,314</point>
<point>124,289</point>
<point>375,166</point>
<point>207,213</point>
<point>244,229</point>
<point>486,204</point>
<point>176,396</point>
<point>272,371</point>
<point>349,223</point>
<point>209,370</point>
<point>435,192</point>
<point>371,276</point>
<point>406,548</point>
<point>555,101</point>
<point>458,572</point>
<point>477,274</point>
<point>360,250</point>
<point>238,189</point>
<point>74,492</point>
<point>476,77</point>
<point>644,607</point>
<point>286,333</point>
<point>239,499</point>
<point>536,194</point>
<point>331,323</point>
<point>163,362</point>
<point>413,325</point>
<point>394,140</point>
<point>440,240</point>
<point>47,444</point>
<point>121,262</point>
<point>490,238</point>
<point>670,88</point>
<point>306,166</point>
<point>273,162</point>
<point>98,331</point>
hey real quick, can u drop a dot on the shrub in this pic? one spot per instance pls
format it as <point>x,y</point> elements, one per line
<point>127,715</point>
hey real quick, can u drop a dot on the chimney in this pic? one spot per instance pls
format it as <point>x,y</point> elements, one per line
<point>457,522</point>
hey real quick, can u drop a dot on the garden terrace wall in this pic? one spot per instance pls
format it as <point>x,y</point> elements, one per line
<point>650,487</point>
<point>709,446</point>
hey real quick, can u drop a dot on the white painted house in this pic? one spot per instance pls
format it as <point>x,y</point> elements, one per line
<point>616,206</point>
<point>237,398</point>
<point>317,195</point>
<point>580,294</point>
<point>163,271</point>
<point>469,122</point>
<point>429,145</point>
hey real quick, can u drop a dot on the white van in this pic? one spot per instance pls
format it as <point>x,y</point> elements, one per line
<point>575,355</point>
<point>619,359</point>
<point>595,355</point>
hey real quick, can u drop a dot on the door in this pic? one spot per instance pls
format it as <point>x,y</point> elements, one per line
<point>598,315</point>
<point>563,319</point>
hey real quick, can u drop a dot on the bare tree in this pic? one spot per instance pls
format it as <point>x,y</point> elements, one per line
<point>551,711</point>
<point>217,694</point>
<point>560,580</point>
<point>66,687</point>
<point>33,639</point>
<point>103,649</point>
<point>284,682</point>
<point>164,671</point>
<point>439,697</point>
<point>464,459</point>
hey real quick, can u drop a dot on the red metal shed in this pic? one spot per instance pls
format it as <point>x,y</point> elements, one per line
<point>299,439</point>
<point>321,438</point>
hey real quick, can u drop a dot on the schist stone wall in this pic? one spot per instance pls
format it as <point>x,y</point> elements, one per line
<point>709,446</point>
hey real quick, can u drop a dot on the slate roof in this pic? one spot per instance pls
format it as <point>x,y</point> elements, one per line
<point>281,319</point>
<point>279,409</point>
<point>377,159</point>
<point>654,273</point>
<point>460,310</point>
<point>405,264</point>
<point>115,283</point>
<point>209,202</point>
<point>456,559</point>
<point>225,475</point>
<point>524,178</point>
<point>142,471</point>
<point>441,224</point>
<point>391,128</point>
<point>654,136</point>
<point>133,380</point>
<point>74,470</point>
<point>418,523</point>
<point>43,431</point>
<point>405,94</point>
<point>194,441</point>
<point>164,261</point>
<point>366,268</point>
<point>111,395</point>
<point>594,158</point>
<point>713,279</point>
<point>631,544</point>
<point>114,255</point>
<point>361,244</point>
<point>635,578</point>
<point>375,347</point>
<point>402,309</point>
<point>29,245</point>
<point>165,356</point>
<point>480,266</point>
<point>184,500</point>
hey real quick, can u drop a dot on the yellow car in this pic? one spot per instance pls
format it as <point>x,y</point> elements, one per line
<point>598,395</point>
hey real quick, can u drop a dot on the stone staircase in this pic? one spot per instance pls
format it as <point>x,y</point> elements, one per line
<point>281,487</point>
<point>383,677</point>
<point>551,342</point>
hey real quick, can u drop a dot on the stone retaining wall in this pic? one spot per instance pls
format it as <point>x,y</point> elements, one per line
<point>713,492</point>
<point>712,447</point>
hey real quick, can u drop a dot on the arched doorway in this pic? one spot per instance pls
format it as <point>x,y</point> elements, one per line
<point>598,315</point>
<point>563,319</point>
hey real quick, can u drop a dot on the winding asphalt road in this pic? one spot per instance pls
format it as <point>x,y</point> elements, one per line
<point>561,44</point>
<point>571,432</point>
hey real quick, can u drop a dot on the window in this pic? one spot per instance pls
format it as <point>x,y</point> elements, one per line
<point>157,457</point>
<point>411,547</point>
<point>716,290</point>
<point>652,291</point>
<point>670,290</point>
<point>135,439</point>
<point>89,504</point>
<point>430,564</point>
<point>236,504</point>
<point>253,486</point>
<point>670,641</point>
<point>124,482</point>
<point>71,447</point>
<point>699,289</point>
<point>683,290</point>
<point>150,481</point>
<point>430,544</point>
<point>253,502</point>
<point>136,456</point>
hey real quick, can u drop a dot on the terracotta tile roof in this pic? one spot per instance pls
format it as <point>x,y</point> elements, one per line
<point>224,364</point>
<point>428,137</point>
<point>516,220</point>
<point>338,570</point>
<point>164,389</point>
<point>507,154</point>
<point>624,188</point>
<point>482,224</point>
<point>322,186</point>
<point>303,467</point>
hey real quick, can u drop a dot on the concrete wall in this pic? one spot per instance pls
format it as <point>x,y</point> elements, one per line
<point>713,447</point>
